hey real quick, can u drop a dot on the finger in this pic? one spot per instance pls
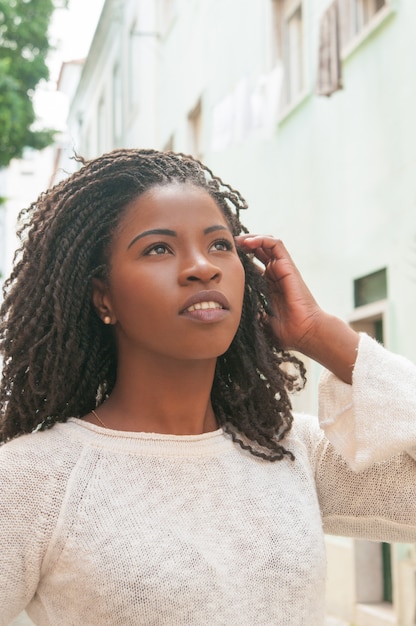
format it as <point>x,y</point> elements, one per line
<point>250,249</point>
<point>248,238</point>
<point>257,253</point>
<point>274,249</point>
<point>250,242</point>
<point>261,256</point>
<point>265,247</point>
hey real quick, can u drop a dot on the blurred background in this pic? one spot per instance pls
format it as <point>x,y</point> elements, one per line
<point>306,106</point>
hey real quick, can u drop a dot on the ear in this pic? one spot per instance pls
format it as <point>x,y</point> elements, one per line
<point>102,302</point>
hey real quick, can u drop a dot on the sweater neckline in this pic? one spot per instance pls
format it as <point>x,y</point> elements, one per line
<point>148,443</point>
<point>145,435</point>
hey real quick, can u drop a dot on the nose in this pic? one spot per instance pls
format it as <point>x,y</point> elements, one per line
<point>199,267</point>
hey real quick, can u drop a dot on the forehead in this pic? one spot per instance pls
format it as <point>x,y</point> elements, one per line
<point>175,204</point>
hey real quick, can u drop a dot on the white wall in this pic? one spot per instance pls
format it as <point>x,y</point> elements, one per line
<point>21,183</point>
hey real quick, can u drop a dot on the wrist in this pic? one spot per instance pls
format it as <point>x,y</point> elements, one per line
<point>334,345</point>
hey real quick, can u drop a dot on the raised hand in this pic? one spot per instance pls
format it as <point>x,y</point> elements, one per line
<point>296,311</point>
<point>298,320</point>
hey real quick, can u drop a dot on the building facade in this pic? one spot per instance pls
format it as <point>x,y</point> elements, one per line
<point>307,107</point>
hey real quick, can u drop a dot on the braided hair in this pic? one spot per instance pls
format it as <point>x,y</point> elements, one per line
<point>60,359</point>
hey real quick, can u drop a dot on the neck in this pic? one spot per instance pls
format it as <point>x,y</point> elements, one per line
<point>165,397</point>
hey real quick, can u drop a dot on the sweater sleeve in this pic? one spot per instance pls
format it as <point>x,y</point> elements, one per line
<point>374,418</point>
<point>365,465</point>
<point>31,487</point>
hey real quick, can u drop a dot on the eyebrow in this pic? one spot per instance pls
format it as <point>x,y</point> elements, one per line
<point>153,231</point>
<point>172,233</point>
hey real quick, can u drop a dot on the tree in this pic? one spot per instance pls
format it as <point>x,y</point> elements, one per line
<point>24,45</point>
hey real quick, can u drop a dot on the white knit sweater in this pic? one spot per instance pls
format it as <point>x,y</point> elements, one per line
<point>107,528</point>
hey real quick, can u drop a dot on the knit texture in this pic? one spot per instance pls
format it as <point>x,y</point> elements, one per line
<point>127,529</point>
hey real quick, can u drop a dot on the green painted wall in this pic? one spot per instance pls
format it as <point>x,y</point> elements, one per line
<point>336,178</point>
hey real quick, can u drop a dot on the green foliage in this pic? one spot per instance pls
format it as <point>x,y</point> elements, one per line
<point>24,45</point>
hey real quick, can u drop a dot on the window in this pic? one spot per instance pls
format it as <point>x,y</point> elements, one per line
<point>370,302</point>
<point>167,11</point>
<point>387,572</point>
<point>133,64</point>
<point>357,15</point>
<point>117,107</point>
<point>293,52</point>
<point>373,560</point>
<point>329,71</point>
<point>288,46</point>
<point>101,127</point>
<point>195,130</point>
<point>88,142</point>
<point>169,145</point>
<point>370,288</point>
<point>343,25</point>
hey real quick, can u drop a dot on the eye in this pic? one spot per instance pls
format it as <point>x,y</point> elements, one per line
<point>222,245</point>
<point>157,249</point>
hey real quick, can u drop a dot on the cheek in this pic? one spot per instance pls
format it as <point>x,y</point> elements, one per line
<point>133,295</point>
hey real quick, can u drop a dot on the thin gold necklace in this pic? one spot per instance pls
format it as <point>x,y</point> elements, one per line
<point>98,418</point>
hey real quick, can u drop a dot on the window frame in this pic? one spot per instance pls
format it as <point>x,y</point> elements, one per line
<point>117,97</point>
<point>195,130</point>
<point>167,10</point>
<point>373,560</point>
<point>282,12</point>
<point>102,125</point>
<point>132,69</point>
<point>350,41</point>
<point>293,38</point>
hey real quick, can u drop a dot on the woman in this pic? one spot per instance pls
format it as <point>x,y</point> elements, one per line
<point>167,482</point>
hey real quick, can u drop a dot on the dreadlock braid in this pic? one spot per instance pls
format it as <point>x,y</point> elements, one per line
<point>60,359</point>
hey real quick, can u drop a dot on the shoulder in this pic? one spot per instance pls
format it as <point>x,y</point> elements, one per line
<point>35,472</point>
<point>306,439</point>
<point>306,429</point>
<point>43,446</point>
<point>38,463</point>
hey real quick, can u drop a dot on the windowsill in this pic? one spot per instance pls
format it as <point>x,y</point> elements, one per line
<point>375,23</point>
<point>369,311</point>
<point>382,614</point>
<point>290,108</point>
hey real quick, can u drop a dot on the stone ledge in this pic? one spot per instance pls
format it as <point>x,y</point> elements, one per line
<point>375,615</point>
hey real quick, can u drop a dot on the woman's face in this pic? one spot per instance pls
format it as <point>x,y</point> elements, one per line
<point>176,284</point>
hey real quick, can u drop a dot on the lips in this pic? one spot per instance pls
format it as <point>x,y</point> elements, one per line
<point>204,300</point>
